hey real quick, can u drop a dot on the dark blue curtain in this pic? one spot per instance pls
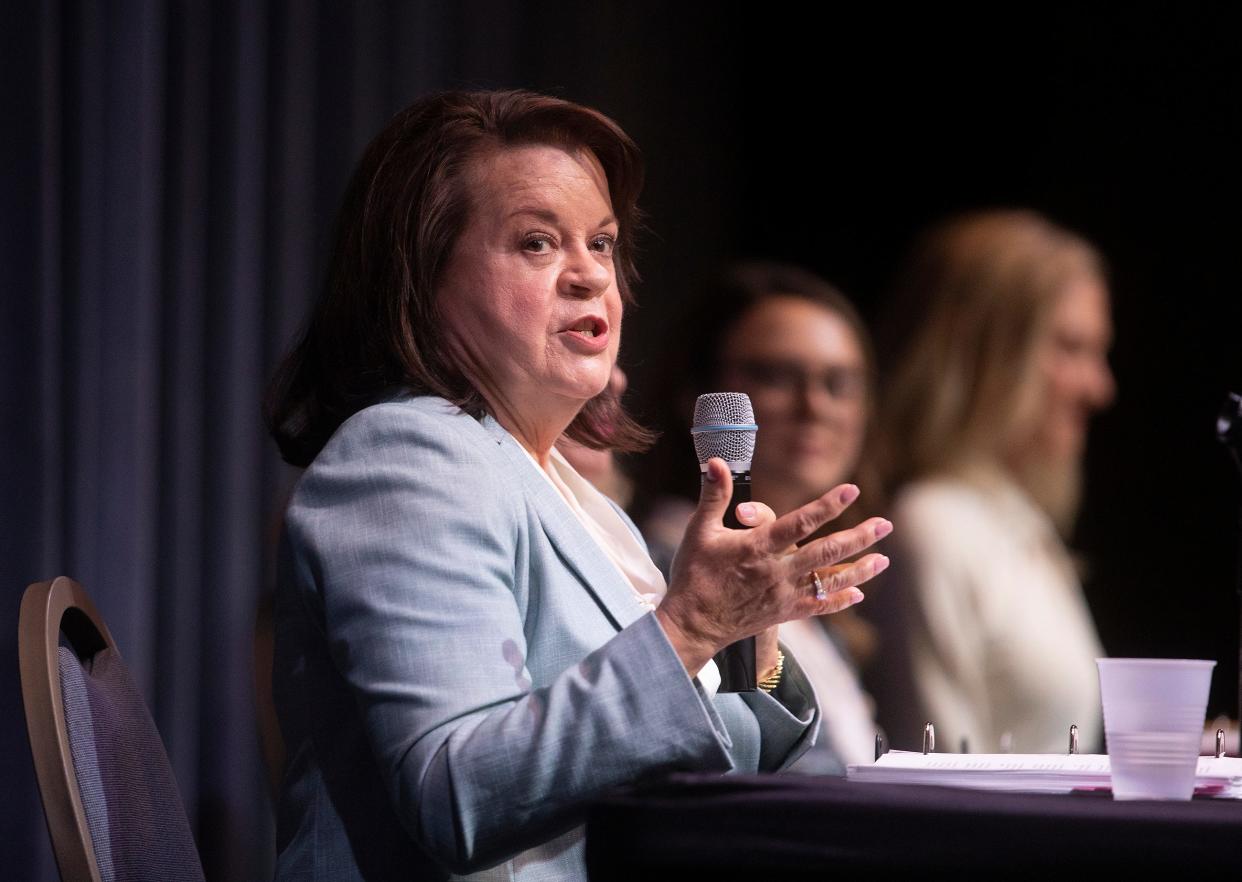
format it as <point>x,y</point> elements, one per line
<point>169,175</point>
<point>172,170</point>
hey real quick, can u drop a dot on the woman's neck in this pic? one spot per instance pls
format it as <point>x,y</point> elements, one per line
<point>537,435</point>
<point>535,421</point>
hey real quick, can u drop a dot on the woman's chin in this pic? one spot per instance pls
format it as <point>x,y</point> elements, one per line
<point>576,392</point>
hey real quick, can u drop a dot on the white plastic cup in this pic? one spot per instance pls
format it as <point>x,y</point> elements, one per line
<point>1153,719</point>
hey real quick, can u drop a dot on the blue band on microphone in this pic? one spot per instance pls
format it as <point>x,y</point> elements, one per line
<point>723,427</point>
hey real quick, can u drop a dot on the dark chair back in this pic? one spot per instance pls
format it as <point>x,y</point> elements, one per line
<point>111,801</point>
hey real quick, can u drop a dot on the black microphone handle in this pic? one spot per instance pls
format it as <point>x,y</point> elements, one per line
<point>737,660</point>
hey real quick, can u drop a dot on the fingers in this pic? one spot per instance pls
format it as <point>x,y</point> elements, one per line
<point>836,602</point>
<point>714,495</point>
<point>754,514</point>
<point>846,575</point>
<point>840,583</point>
<point>731,583</point>
<point>804,521</point>
<point>838,546</point>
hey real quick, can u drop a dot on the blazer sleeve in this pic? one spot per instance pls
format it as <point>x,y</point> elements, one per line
<point>788,718</point>
<point>406,539</point>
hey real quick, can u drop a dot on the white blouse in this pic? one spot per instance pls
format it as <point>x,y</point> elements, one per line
<point>849,728</point>
<point>991,639</point>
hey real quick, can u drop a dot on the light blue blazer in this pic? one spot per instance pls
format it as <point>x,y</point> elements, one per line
<point>460,669</point>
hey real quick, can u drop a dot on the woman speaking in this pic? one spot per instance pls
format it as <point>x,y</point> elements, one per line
<point>471,642</point>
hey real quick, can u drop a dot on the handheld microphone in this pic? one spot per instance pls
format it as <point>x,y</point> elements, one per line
<point>724,427</point>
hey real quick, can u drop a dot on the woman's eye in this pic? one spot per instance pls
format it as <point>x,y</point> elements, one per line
<point>604,244</point>
<point>537,244</point>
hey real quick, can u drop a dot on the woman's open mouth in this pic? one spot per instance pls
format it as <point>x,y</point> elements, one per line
<point>589,333</point>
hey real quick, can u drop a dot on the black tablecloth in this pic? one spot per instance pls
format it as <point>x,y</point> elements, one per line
<point>790,827</point>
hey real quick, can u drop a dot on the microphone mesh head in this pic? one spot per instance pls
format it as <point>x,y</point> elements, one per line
<point>734,445</point>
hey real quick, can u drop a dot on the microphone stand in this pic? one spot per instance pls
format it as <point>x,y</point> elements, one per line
<point>1229,432</point>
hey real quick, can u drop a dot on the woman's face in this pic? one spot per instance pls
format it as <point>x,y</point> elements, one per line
<point>805,372</point>
<point>529,295</point>
<point>1071,359</point>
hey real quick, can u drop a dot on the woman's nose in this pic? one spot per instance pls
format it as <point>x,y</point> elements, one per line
<point>1103,385</point>
<point>585,274</point>
<point>814,399</point>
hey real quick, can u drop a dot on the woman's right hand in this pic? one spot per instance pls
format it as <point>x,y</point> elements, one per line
<point>729,584</point>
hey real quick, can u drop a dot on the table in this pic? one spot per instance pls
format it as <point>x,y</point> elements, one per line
<point>783,827</point>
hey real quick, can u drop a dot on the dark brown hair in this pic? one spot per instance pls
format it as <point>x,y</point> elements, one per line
<point>731,295</point>
<point>376,326</point>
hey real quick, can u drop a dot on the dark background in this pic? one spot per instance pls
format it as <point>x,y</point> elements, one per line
<point>168,173</point>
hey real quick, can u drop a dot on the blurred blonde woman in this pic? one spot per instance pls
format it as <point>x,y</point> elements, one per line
<point>1002,332</point>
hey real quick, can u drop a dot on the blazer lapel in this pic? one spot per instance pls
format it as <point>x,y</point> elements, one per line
<point>581,553</point>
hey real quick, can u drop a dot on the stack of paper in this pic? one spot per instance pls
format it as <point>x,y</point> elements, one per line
<point>1028,772</point>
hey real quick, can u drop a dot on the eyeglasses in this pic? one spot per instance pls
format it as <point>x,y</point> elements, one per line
<point>841,382</point>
